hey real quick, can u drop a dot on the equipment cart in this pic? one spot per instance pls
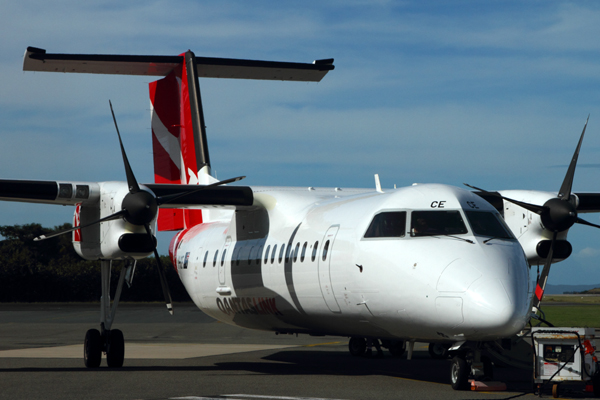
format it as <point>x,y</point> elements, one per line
<point>563,355</point>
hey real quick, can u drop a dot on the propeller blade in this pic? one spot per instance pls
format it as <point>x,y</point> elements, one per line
<point>584,222</point>
<point>531,207</point>
<point>162,277</point>
<point>131,181</point>
<point>172,197</point>
<point>565,189</point>
<point>114,216</point>
<point>541,284</point>
<point>481,190</point>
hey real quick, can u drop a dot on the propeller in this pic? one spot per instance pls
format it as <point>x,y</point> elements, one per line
<point>140,207</point>
<point>557,214</point>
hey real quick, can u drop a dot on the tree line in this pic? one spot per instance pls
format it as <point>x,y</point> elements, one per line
<point>51,271</point>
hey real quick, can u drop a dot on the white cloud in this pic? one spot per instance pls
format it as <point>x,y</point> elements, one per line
<point>430,92</point>
<point>588,252</point>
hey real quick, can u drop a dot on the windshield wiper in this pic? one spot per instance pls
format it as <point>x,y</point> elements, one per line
<point>495,237</point>
<point>455,237</point>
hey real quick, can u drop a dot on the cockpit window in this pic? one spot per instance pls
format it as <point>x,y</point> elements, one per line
<point>387,224</point>
<point>431,223</point>
<point>488,224</point>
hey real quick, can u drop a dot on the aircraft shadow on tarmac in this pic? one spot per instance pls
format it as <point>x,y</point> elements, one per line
<point>315,361</point>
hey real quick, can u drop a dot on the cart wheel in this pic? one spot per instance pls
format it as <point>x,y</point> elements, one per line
<point>555,390</point>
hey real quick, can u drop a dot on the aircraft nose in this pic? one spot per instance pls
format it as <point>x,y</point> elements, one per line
<point>496,308</point>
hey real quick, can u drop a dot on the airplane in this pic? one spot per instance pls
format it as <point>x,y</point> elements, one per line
<point>429,262</point>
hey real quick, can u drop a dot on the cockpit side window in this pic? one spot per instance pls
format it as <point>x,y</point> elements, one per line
<point>387,224</point>
<point>488,224</point>
<point>432,223</point>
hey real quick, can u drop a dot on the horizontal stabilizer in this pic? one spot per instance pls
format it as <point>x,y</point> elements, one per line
<point>208,67</point>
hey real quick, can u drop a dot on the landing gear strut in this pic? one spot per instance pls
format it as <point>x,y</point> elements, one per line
<point>107,340</point>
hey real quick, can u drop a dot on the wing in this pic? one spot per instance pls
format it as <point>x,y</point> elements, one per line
<point>73,193</point>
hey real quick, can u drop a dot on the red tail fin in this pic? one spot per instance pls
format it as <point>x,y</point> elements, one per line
<point>178,138</point>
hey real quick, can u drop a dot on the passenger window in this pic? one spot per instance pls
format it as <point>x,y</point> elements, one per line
<point>267,254</point>
<point>303,252</point>
<point>235,256</point>
<point>223,257</point>
<point>296,250</point>
<point>432,223</point>
<point>387,224</point>
<point>273,254</point>
<point>325,250</point>
<point>281,252</point>
<point>215,259</point>
<point>287,252</point>
<point>250,255</point>
<point>314,252</point>
<point>258,254</point>
<point>205,258</point>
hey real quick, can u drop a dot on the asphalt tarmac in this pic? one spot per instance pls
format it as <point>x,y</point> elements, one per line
<point>189,355</point>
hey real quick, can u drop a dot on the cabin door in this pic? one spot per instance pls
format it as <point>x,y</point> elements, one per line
<point>325,266</point>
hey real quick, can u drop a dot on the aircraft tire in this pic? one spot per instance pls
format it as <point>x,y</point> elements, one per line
<point>397,348</point>
<point>115,349</point>
<point>357,346</point>
<point>92,348</point>
<point>459,374</point>
<point>438,351</point>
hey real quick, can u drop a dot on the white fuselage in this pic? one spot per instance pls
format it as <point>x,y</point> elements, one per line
<point>301,260</point>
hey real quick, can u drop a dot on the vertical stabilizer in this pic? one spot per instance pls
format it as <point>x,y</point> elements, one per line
<point>179,138</point>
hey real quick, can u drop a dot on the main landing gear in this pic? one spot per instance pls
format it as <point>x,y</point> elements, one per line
<point>358,346</point>
<point>107,340</point>
<point>112,343</point>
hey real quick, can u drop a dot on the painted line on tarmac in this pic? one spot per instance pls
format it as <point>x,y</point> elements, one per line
<point>153,351</point>
<point>257,396</point>
<point>319,344</point>
<point>247,397</point>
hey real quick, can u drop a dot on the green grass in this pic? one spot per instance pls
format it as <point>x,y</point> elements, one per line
<point>573,316</point>
<point>570,298</point>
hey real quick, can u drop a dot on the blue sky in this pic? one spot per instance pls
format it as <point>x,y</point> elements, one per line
<point>493,93</point>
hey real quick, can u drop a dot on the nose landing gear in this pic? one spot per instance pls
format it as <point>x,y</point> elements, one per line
<point>469,363</point>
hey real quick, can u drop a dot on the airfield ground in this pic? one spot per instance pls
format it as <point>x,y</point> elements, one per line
<point>192,356</point>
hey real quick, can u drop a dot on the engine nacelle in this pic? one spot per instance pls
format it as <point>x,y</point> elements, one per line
<point>528,228</point>
<point>113,240</point>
